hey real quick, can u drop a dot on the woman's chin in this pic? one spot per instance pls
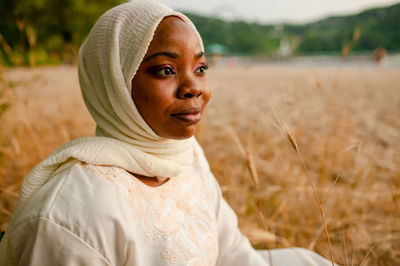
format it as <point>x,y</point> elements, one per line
<point>180,133</point>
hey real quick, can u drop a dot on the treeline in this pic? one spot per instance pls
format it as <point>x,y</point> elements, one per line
<point>239,36</point>
<point>366,31</point>
<point>38,32</point>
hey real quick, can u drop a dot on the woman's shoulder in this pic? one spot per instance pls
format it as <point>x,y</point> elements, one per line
<point>83,201</point>
<point>83,194</point>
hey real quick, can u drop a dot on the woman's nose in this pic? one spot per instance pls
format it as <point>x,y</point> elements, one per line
<point>189,88</point>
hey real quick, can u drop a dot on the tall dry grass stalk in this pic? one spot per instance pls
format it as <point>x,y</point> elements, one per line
<point>284,128</point>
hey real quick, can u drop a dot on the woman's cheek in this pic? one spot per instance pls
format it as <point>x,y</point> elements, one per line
<point>207,94</point>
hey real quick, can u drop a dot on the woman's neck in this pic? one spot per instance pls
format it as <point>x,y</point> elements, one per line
<point>149,181</point>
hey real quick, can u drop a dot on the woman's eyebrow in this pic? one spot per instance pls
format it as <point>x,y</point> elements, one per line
<point>168,54</point>
<point>198,55</point>
<point>171,54</point>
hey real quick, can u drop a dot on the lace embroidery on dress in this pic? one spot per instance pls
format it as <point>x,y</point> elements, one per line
<point>179,213</point>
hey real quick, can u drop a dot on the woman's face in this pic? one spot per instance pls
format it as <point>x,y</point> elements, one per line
<point>170,89</point>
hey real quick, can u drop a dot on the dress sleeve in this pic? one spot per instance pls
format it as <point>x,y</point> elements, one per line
<point>234,247</point>
<point>42,242</point>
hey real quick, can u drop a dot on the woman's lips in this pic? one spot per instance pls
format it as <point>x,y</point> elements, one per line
<point>191,115</point>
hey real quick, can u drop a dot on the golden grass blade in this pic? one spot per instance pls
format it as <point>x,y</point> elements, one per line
<point>295,146</point>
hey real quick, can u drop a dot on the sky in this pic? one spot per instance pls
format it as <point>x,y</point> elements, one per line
<point>276,11</point>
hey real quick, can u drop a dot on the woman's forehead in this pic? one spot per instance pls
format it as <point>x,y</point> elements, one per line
<point>172,31</point>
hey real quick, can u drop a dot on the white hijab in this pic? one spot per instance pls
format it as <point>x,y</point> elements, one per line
<point>108,61</point>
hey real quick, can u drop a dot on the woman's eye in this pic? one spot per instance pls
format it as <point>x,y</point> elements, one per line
<point>202,69</point>
<point>165,72</point>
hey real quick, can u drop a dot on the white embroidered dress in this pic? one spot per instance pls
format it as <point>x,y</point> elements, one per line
<point>100,215</point>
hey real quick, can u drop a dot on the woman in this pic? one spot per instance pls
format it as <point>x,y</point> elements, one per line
<point>141,191</point>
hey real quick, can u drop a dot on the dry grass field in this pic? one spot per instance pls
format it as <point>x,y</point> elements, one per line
<point>346,123</point>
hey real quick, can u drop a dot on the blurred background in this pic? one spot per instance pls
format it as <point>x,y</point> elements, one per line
<point>293,81</point>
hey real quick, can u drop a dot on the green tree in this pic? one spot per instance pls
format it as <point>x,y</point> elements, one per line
<point>53,28</point>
